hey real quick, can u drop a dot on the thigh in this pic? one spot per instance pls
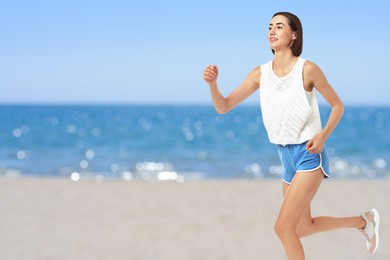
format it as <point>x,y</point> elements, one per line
<point>306,217</point>
<point>298,195</point>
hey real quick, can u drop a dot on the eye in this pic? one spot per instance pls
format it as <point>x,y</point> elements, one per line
<point>280,27</point>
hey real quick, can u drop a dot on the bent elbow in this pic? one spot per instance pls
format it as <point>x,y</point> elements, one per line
<point>341,108</point>
<point>220,111</point>
<point>222,108</point>
<point>338,106</point>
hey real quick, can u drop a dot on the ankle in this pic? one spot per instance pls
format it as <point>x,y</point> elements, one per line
<point>362,223</point>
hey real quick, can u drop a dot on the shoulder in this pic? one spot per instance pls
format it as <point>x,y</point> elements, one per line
<point>310,68</point>
<point>267,64</point>
<point>264,67</point>
<point>312,72</point>
<point>255,74</point>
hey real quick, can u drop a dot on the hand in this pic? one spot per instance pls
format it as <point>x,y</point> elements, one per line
<point>210,74</point>
<point>314,145</point>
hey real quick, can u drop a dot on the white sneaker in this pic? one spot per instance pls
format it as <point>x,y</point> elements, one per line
<point>371,230</point>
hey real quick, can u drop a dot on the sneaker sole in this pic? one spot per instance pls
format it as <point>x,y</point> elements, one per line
<point>377,220</point>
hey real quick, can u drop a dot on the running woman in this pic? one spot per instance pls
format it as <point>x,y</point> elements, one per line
<point>290,112</point>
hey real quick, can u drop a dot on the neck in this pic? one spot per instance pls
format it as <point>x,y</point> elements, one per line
<point>284,59</point>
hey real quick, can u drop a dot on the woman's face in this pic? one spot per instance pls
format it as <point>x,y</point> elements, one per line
<point>280,35</point>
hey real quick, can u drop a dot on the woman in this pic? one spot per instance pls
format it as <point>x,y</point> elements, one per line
<point>292,120</point>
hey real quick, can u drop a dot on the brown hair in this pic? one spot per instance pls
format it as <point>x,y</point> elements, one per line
<point>296,26</point>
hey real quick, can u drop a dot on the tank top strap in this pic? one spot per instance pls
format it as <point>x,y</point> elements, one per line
<point>301,63</point>
<point>266,68</point>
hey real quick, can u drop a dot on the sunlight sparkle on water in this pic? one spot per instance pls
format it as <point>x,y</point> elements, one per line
<point>127,176</point>
<point>17,132</point>
<point>84,164</point>
<point>21,155</point>
<point>75,176</point>
<point>89,154</point>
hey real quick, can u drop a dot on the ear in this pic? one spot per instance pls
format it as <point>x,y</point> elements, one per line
<point>294,37</point>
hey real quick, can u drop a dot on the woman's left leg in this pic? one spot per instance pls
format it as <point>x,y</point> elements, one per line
<point>308,225</point>
<point>296,200</point>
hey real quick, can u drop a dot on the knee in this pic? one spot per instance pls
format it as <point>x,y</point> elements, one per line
<point>281,229</point>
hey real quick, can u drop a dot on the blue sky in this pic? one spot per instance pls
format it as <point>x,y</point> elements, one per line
<point>154,52</point>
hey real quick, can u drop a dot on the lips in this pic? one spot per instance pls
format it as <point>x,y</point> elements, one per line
<point>272,39</point>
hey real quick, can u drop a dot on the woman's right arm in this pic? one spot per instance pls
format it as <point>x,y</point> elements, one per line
<point>222,104</point>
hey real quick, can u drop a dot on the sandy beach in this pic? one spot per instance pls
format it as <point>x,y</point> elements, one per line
<point>49,218</point>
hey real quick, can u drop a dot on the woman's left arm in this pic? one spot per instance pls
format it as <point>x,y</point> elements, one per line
<point>316,79</point>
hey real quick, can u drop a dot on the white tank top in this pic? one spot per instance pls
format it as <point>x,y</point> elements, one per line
<point>290,114</point>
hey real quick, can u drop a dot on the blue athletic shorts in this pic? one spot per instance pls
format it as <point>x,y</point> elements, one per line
<point>295,158</point>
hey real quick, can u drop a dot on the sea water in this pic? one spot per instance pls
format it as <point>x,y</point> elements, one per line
<point>178,143</point>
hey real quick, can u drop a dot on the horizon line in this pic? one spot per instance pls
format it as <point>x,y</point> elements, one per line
<point>188,104</point>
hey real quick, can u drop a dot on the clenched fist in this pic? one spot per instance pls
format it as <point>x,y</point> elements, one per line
<point>210,74</point>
